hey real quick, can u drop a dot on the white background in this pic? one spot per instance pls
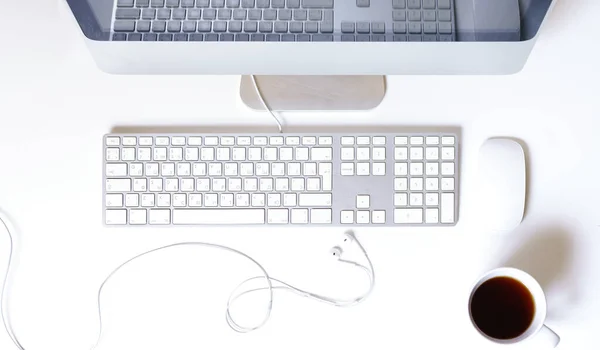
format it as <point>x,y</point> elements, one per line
<point>55,106</point>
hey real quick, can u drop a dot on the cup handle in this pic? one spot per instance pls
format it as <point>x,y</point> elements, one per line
<point>549,336</point>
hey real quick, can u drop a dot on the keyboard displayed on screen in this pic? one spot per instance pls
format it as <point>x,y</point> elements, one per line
<point>283,20</point>
<point>382,179</point>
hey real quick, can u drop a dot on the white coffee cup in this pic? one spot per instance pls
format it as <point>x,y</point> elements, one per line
<point>537,327</point>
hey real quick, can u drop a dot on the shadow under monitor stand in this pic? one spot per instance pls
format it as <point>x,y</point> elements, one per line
<point>314,93</point>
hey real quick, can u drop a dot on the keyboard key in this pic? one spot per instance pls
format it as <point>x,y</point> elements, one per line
<point>378,169</point>
<point>116,169</point>
<point>159,26</point>
<point>204,26</point>
<point>347,217</point>
<point>189,26</point>
<point>322,37</point>
<point>347,27</point>
<point>416,140</point>
<point>408,216</point>
<point>118,185</point>
<point>250,27</point>
<point>112,141</point>
<point>326,27</point>
<point>220,26</point>
<point>277,4</point>
<point>124,26</point>
<point>362,217</point>
<point>300,15</point>
<point>314,199</point>
<point>221,216</point>
<point>317,4</point>
<point>125,3</point>
<point>143,26</point>
<point>296,27</point>
<point>299,216</point>
<point>179,14</point>
<point>445,15</point>
<point>163,14</point>
<point>447,140</point>
<point>270,15</point>
<point>448,169</point>
<point>159,216</point>
<point>209,14</point>
<point>431,216</point>
<point>363,27</point>
<point>224,14</point>
<point>262,4</point>
<point>174,27</point>
<point>321,154</point>
<point>265,27</point>
<point>149,14</point>
<point>116,217</point>
<point>399,15</point>
<point>445,27</point>
<point>303,37</point>
<point>447,208</point>
<point>448,184</point>
<point>113,200</point>
<point>447,153</point>
<point>311,27</point>
<point>194,14</point>
<point>277,216</point>
<point>347,169</point>
<point>292,3</point>
<point>444,4</point>
<point>320,216</point>
<point>284,15</point>
<point>378,27</point>
<point>399,4</point>
<point>127,13</point>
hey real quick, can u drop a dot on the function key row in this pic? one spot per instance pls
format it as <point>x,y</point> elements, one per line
<point>293,4</point>
<point>218,140</point>
<point>398,140</point>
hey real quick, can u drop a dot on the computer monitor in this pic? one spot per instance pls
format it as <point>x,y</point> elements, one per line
<point>359,38</point>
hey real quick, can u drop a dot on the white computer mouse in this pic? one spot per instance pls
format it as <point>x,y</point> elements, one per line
<point>501,184</point>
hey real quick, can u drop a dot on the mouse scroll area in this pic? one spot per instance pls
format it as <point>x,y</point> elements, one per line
<point>501,184</point>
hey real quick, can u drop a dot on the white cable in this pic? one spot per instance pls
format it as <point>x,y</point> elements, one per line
<point>264,103</point>
<point>10,228</point>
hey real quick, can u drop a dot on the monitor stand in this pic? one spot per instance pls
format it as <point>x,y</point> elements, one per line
<point>314,93</point>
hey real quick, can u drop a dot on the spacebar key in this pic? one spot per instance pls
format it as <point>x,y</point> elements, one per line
<point>317,4</point>
<point>218,216</point>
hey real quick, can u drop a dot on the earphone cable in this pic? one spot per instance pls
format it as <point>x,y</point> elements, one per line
<point>263,101</point>
<point>10,228</point>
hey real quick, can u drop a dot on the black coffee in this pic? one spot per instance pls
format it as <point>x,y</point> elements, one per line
<point>502,308</point>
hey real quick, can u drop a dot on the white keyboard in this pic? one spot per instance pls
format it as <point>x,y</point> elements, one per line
<point>383,179</point>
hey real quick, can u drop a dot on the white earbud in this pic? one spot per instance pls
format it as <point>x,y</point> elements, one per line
<point>338,250</point>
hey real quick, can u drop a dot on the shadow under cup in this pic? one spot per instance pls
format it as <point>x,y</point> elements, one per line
<point>507,306</point>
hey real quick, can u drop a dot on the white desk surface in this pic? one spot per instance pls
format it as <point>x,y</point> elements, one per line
<point>55,106</point>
